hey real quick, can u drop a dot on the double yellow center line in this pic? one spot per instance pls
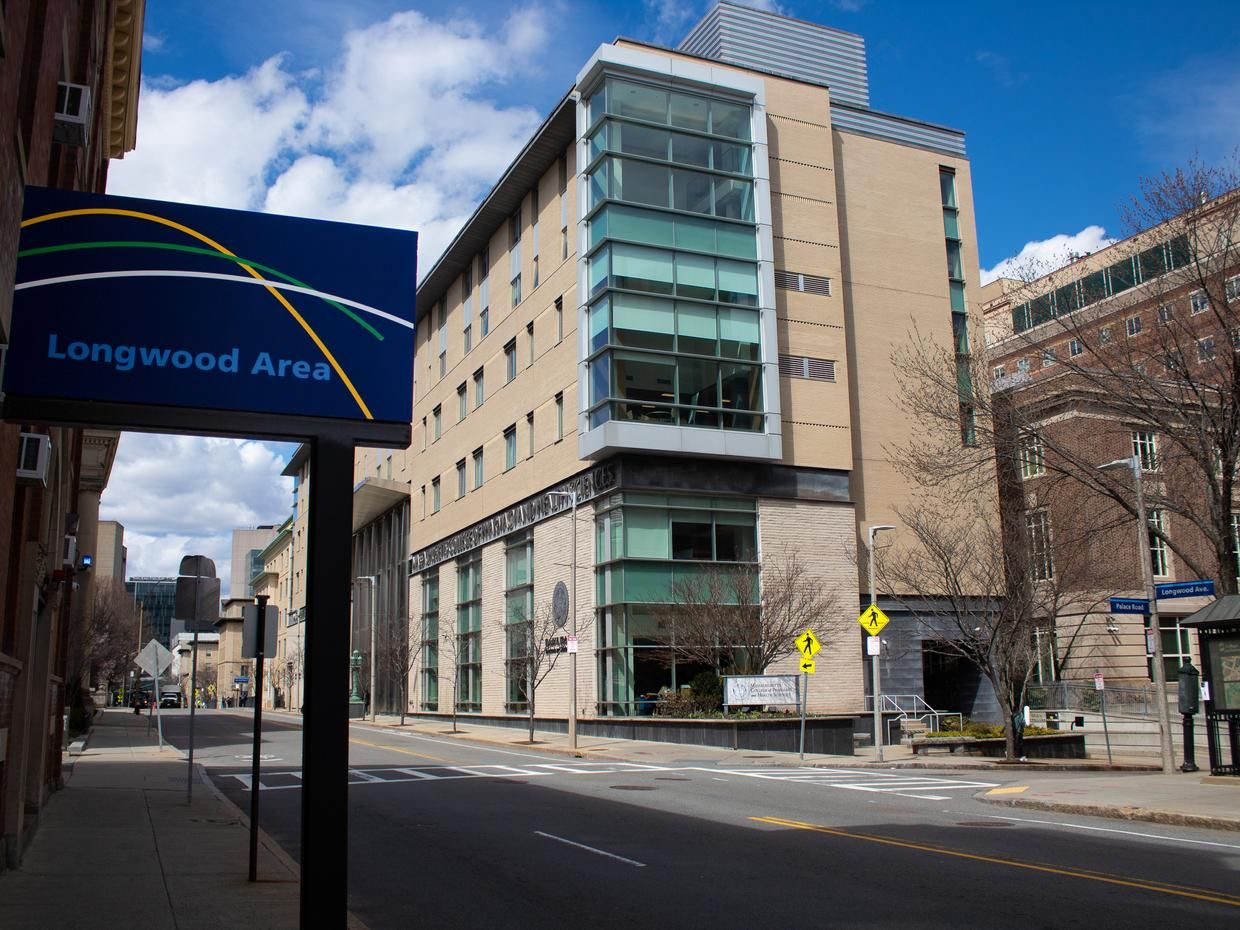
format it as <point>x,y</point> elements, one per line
<point>1182,891</point>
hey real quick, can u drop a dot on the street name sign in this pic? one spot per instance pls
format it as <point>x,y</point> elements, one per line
<point>241,680</point>
<point>1200,588</point>
<point>1129,605</point>
<point>808,644</point>
<point>873,620</point>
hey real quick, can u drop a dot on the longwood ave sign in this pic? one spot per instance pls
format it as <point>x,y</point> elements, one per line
<point>155,305</point>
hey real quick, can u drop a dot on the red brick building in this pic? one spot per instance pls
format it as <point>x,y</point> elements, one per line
<point>1130,351</point>
<point>69,78</point>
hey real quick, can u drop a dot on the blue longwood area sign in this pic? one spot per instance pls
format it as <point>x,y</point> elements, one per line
<point>1129,605</point>
<point>1185,589</point>
<point>127,301</point>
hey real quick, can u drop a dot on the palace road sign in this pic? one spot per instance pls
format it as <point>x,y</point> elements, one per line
<point>1129,605</point>
<point>873,620</point>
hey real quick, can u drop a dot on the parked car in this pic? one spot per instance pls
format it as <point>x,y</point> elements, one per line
<point>170,699</point>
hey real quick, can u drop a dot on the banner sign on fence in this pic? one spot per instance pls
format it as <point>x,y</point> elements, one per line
<point>759,689</point>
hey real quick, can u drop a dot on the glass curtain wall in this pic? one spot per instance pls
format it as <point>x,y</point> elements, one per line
<point>429,690</point>
<point>644,545</point>
<point>469,632</point>
<point>673,260</point>
<point>518,615</point>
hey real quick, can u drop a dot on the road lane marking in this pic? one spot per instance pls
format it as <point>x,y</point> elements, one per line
<point>405,752</point>
<point>1213,897</point>
<point>601,852</point>
<point>1015,789</point>
<point>1148,836</point>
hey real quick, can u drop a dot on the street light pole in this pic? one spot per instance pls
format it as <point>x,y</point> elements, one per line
<point>1147,581</point>
<point>572,655</point>
<point>874,670</point>
<point>373,581</point>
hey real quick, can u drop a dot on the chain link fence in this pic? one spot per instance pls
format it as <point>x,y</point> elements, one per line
<point>1082,696</point>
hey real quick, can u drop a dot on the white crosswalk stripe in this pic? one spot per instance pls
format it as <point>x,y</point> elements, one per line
<point>925,787</point>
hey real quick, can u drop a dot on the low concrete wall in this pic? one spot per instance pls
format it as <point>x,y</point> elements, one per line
<point>823,735</point>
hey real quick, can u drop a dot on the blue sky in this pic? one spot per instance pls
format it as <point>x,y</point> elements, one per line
<point>379,112</point>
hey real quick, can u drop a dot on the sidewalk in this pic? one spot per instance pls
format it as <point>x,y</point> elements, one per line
<point>1130,788</point>
<point>120,846</point>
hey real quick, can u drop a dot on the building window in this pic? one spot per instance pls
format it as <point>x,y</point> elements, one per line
<point>1075,348</point>
<point>1175,648</point>
<point>469,632</point>
<point>998,372</point>
<point>1205,349</point>
<point>529,336</point>
<point>461,405</point>
<point>518,616</point>
<point>559,320</point>
<point>1038,526</point>
<point>479,389</point>
<point>460,479</point>
<point>1032,456</point>
<point>429,688</point>
<point>484,292</point>
<point>1231,289</point>
<point>423,502</point>
<point>1158,546</point>
<point>479,475</point>
<point>437,421</point>
<point>435,499</point>
<point>1132,325</point>
<point>1198,302</point>
<point>529,431</point>
<point>1145,447</point>
<point>1022,366</point>
<point>510,447</point>
<point>516,290</point>
<point>442,316</point>
<point>1104,336</point>
<point>534,270</point>
<point>425,433</point>
<point>1165,313</point>
<point>559,417</point>
<point>1049,358</point>
<point>468,337</point>
<point>510,361</point>
<point>467,307</point>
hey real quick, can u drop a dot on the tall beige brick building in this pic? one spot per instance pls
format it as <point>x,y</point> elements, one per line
<point>681,302</point>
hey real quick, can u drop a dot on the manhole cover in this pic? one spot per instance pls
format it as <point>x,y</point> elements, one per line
<point>631,787</point>
<point>667,778</point>
<point>983,823</point>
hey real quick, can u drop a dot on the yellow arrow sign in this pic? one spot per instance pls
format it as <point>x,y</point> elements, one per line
<point>873,620</point>
<point>808,644</point>
<point>807,666</point>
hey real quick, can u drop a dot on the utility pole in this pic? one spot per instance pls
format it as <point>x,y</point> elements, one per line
<point>572,653</point>
<point>373,581</point>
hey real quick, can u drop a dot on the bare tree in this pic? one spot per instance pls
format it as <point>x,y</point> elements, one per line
<point>534,645</point>
<point>108,636</point>
<point>742,617</point>
<point>449,655</point>
<point>1171,372</point>
<point>400,650</point>
<point>985,588</point>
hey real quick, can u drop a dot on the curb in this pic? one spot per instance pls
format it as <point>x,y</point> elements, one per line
<point>1115,812</point>
<point>266,841</point>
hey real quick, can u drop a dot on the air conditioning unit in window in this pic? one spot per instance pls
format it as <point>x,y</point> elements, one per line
<point>33,453</point>
<point>72,114</point>
<point>69,555</point>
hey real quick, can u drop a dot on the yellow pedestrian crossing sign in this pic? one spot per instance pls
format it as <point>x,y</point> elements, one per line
<point>808,645</point>
<point>873,620</point>
<point>807,666</point>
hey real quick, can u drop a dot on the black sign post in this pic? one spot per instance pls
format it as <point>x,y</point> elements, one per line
<point>260,641</point>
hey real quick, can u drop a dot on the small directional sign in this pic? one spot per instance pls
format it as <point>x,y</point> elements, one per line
<point>807,666</point>
<point>873,620</point>
<point>1129,605</point>
<point>1203,588</point>
<point>808,645</point>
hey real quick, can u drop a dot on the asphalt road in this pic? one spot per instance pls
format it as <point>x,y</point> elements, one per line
<point>449,833</point>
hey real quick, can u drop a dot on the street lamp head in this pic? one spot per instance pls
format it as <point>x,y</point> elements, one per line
<point>1126,462</point>
<point>876,529</point>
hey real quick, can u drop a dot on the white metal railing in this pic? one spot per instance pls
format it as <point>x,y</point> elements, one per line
<point>911,707</point>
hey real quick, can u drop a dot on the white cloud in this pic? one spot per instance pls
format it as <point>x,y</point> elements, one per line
<point>152,42</point>
<point>1044,256</point>
<point>183,495</point>
<point>211,142</point>
<point>1193,112</point>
